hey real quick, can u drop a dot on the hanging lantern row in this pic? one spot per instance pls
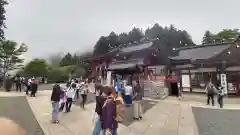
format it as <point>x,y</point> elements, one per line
<point>237,46</point>
<point>155,53</point>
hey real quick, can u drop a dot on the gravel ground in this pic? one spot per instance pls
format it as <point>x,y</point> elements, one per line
<point>17,109</point>
<point>216,121</point>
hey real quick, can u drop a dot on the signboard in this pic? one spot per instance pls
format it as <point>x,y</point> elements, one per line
<point>185,81</point>
<point>224,81</point>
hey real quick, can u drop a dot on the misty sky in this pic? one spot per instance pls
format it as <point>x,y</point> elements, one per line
<point>49,26</point>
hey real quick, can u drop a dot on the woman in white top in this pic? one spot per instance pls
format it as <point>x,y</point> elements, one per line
<point>128,94</point>
<point>70,95</point>
<point>84,92</point>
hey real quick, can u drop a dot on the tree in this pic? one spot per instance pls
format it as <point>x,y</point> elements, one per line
<point>207,38</point>
<point>9,55</point>
<point>67,60</point>
<point>113,40</point>
<point>102,46</point>
<point>154,32</point>
<point>57,74</point>
<point>169,36</point>
<point>36,67</point>
<point>123,38</point>
<point>226,35</point>
<point>3,3</point>
<point>135,35</point>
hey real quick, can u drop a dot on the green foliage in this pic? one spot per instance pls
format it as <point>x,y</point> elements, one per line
<point>3,3</point>
<point>135,34</point>
<point>36,67</point>
<point>170,36</point>
<point>56,75</point>
<point>79,72</point>
<point>226,35</point>
<point>68,59</point>
<point>9,55</point>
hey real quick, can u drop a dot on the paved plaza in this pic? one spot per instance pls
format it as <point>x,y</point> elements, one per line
<point>161,117</point>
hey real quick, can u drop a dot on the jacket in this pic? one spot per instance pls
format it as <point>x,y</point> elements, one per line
<point>56,93</point>
<point>109,115</point>
<point>99,104</point>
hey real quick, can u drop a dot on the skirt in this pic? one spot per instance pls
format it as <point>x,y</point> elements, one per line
<point>128,99</point>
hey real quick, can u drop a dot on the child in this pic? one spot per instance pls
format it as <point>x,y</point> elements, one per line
<point>62,102</point>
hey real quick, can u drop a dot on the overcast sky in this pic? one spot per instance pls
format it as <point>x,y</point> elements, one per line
<point>49,26</point>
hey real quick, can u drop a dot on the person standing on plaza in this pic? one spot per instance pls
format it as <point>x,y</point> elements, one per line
<point>119,103</point>
<point>210,90</point>
<point>18,84</point>
<point>77,90</point>
<point>55,98</point>
<point>34,87</point>
<point>137,106</point>
<point>28,85</point>
<point>100,99</point>
<point>109,123</point>
<point>128,94</point>
<point>70,95</point>
<point>221,92</point>
<point>84,92</point>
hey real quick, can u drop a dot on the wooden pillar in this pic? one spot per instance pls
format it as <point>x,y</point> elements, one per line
<point>94,67</point>
<point>145,72</point>
<point>190,79</point>
<point>180,81</point>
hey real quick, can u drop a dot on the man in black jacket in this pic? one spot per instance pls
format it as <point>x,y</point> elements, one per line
<point>55,98</point>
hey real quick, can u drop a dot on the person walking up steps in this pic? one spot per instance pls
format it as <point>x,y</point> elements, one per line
<point>70,95</point>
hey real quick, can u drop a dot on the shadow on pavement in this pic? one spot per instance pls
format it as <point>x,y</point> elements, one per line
<point>217,121</point>
<point>18,109</point>
<point>128,111</point>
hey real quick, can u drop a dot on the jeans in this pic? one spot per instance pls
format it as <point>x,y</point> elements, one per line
<point>97,129</point>
<point>55,111</point>
<point>69,104</point>
<point>137,109</point>
<point>113,132</point>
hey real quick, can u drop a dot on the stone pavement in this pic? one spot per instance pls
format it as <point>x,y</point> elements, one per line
<point>168,117</point>
<point>164,118</point>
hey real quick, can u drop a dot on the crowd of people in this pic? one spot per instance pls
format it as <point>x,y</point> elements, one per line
<point>29,84</point>
<point>110,103</point>
<point>64,97</point>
